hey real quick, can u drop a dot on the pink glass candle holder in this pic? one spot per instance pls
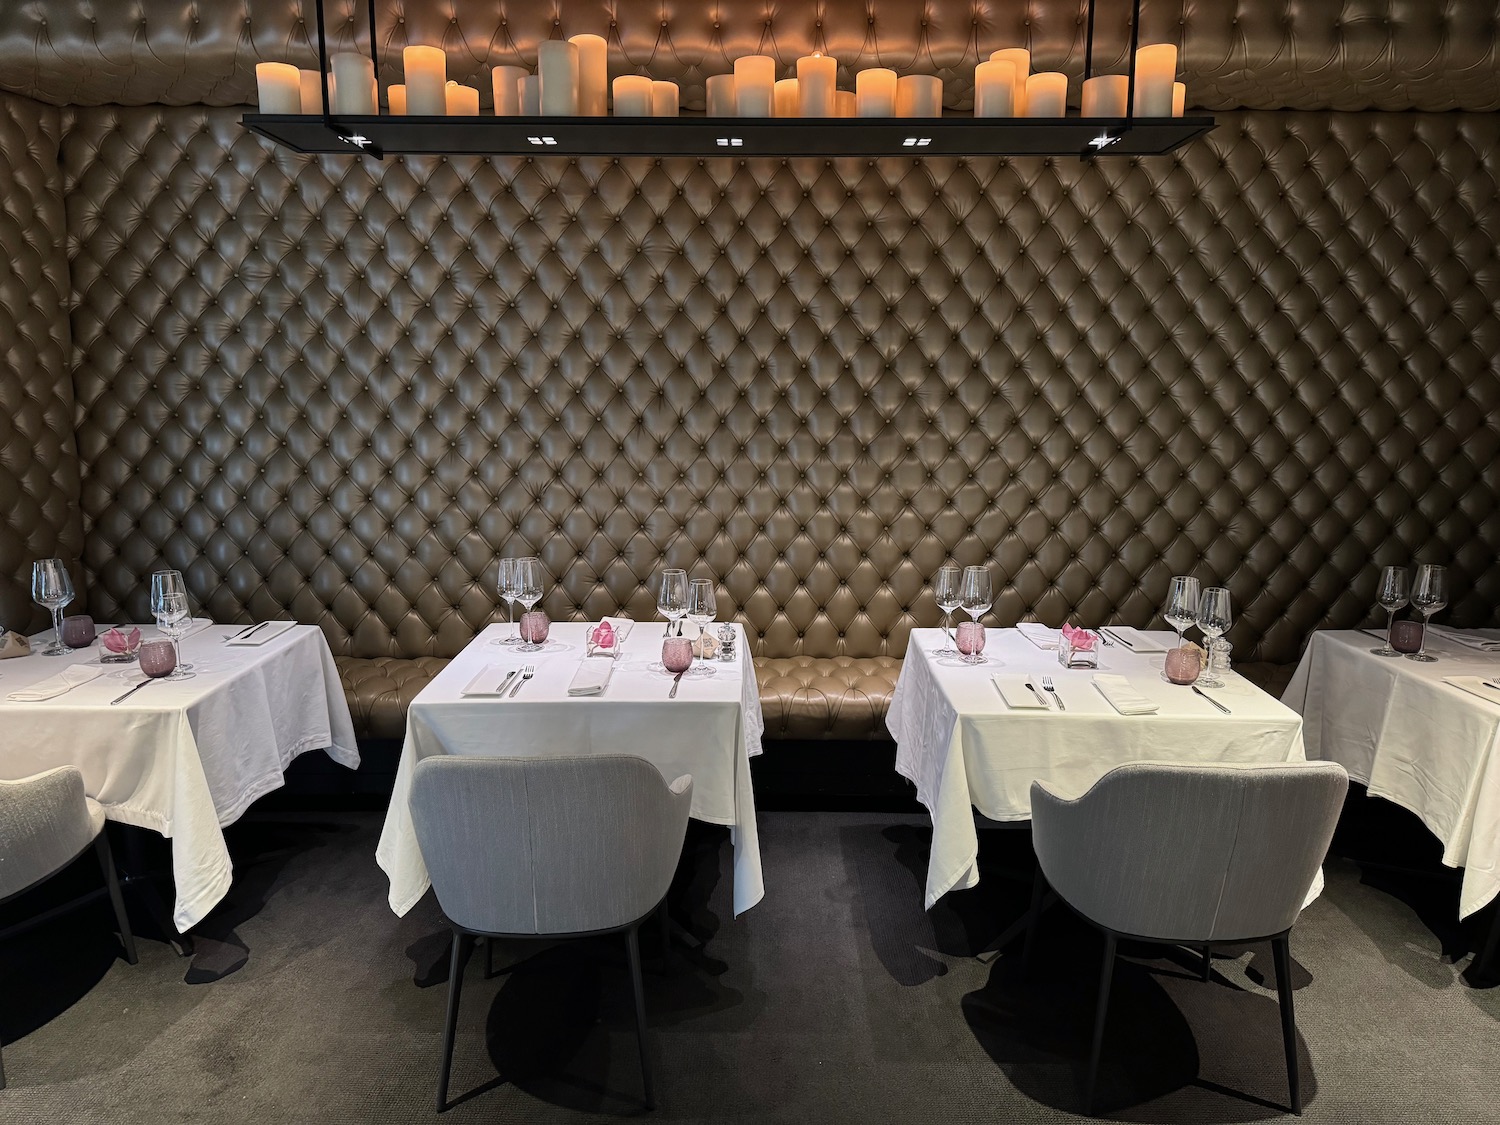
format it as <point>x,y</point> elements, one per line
<point>78,631</point>
<point>677,654</point>
<point>1183,664</point>
<point>534,628</point>
<point>158,659</point>
<point>1406,636</point>
<point>969,638</point>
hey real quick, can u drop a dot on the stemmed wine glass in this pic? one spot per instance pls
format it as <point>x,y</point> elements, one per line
<point>672,597</point>
<point>1429,595</point>
<point>702,608</point>
<point>52,588</point>
<point>1214,619</point>
<point>527,587</point>
<point>976,595</point>
<point>507,587</point>
<point>173,618</point>
<point>1395,592</point>
<point>1182,604</point>
<point>946,591</point>
<point>165,582</point>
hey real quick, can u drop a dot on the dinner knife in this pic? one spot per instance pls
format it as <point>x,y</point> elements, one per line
<point>132,691</point>
<point>1198,690</point>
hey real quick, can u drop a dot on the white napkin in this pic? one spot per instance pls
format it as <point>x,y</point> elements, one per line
<point>1017,696</point>
<point>1040,635</point>
<point>69,678</point>
<point>266,631</point>
<point>1476,685</point>
<point>1133,639</point>
<point>593,674</point>
<point>1469,638</point>
<point>488,682</point>
<point>1122,697</point>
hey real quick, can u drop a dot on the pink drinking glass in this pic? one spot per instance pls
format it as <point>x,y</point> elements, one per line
<point>677,654</point>
<point>157,659</point>
<point>78,631</point>
<point>970,641</point>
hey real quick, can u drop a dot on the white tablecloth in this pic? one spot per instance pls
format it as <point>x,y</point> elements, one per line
<point>1412,739</point>
<point>961,746</point>
<point>184,757</point>
<point>711,730</point>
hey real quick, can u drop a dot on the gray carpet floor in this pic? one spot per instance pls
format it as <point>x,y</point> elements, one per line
<point>836,999</point>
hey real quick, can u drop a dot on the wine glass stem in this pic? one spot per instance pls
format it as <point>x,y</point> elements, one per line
<point>57,626</point>
<point>948,626</point>
<point>176,655</point>
<point>701,661</point>
<point>1390,623</point>
<point>1422,648</point>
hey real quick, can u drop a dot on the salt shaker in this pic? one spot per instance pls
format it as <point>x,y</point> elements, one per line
<point>726,642</point>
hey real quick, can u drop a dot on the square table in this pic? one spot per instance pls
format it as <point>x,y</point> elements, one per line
<point>1409,737</point>
<point>711,730</point>
<point>183,757</point>
<point>964,749</point>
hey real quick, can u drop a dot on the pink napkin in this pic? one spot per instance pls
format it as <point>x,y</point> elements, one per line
<point>1081,640</point>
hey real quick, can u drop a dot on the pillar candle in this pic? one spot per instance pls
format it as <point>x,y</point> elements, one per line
<point>530,86</point>
<point>995,89</point>
<point>632,96</point>
<point>721,101</point>
<point>1179,99</point>
<point>845,103</point>
<point>875,92</point>
<point>754,84</point>
<point>1020,58</point>
<point>426,79</point>
<point>506,85</point>
<point>1155,68</point>
<point>1047,94</point>
<point>396,95</point>
<point>461,101</point>
<point>788,104</point>
<point>817,79</point>
<point>664,101</point>
<point>278,87</point>
<point>557,65</point>
<point>1106,96</point>
<point>593,74</point>
<point>312,90</point>
<point>354,76</point>
<point>919,95</point>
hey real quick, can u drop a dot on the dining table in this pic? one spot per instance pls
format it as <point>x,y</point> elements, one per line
<point>709,726</point>
<point>1425,736</point>
<point>181,757</point>
<point>966,748</point>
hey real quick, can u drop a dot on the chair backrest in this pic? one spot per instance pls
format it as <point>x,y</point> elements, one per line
<point>548,845</point>
<point>44,824</point>
<point>1188,853</point>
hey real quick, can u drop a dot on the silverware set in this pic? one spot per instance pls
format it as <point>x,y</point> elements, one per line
<point>248,631</point>
<point>526,673</point>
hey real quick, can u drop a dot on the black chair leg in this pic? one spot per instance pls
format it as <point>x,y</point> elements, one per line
<point>1106,974</point>
<point>112,882</point>
<point>450,1025</point>
<point>633,947</point>
<point>1281,950</point>
<point>2,1066</point>
<point>1033,918</point>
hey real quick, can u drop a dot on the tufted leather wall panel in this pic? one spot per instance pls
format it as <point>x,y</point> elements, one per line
<point>1255,54</point>
<point>39,516</point>
<point>340,389</point>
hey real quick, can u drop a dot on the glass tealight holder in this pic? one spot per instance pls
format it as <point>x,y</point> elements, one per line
<point>677,654</point>
<point>78,631</point>
<point>1183,664</point>
<point>1406,636</point>
<point>1078,650</point>
<point>158,659</point>
<point>969,637</point>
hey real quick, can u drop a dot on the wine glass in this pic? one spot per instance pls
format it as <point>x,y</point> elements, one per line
<point>702,607</point>
<point>527,574</point>
<point>506,583</point>
<point>947,592</point>
<point>52,588</point>
<point>1182,604</point>
<point>164,582</point>
<point>1214,619</point>
<point>1395,592</point>
<point>672,597</point>
<point>975,592</point>
<point>1429,595</point>
<point>173,618</point>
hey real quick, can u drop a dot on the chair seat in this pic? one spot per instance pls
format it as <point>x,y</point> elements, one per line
<point>827,697</point>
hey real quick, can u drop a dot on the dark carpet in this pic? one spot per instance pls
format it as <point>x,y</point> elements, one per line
<point>836,999</point>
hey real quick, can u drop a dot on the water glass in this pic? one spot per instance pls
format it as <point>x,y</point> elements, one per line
<point>671,597</point>
<point>1395,592</point>
<point>1214,619</point>
<point>52,588</point>
<point>1181,610</point>
<point>947,592</point>
<point>1429,595</point>
<point>702,608</point>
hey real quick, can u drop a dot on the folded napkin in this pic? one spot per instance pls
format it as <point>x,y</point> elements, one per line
<point>593,675</point>
<point>69,678</point>
<point>1017,696</point>
<point>1122,697</point>
<point>1039,634</point>
<point>1476,685</point>
<point>489,681</point>
<point>1133,639</point>
<point>1485,640</point>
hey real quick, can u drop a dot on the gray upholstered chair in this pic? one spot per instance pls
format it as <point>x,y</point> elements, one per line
<point>46,822</point>
<point>550,847</point>
<point>1193,855</point>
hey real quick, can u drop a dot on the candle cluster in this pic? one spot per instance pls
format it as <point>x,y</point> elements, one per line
<point>572,80</point>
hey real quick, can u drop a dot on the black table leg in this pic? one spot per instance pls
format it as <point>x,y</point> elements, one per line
<point>133,874</point>
<point>1483,971</point>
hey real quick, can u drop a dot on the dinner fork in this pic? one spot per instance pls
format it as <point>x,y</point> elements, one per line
<point>1052,691</point>
<point>526,674</point>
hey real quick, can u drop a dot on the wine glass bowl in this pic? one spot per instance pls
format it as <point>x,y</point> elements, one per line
<point>1394,592</point>
<point>672,597</point>
<point>1181,609</point>
<point>976,592</point>
<point>52,588</point>
<point>1428,595</point>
